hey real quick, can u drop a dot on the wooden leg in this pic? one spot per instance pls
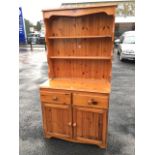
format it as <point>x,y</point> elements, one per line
<point>47,135</point>
<point>102,146</point>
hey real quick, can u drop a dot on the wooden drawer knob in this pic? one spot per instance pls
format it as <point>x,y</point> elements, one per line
<point>92,102</point>
<point>74,124</point>
<point>69,124</point>
<point>54,98</point>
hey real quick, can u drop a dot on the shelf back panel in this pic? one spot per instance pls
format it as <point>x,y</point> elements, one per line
<point>95,24</point>
<point>93,69</point>
<point>80,47</point>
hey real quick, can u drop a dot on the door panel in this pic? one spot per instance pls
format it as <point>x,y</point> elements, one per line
<point>90,124</point>
<point>58,120</point>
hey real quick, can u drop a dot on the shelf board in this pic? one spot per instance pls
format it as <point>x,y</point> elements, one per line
<point>79,84</point>
<point>79,37</point>
<point>81,57</point>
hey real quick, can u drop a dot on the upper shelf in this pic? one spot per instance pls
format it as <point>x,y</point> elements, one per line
<point>79,37</point>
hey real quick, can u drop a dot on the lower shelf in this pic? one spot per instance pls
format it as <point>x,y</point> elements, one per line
<point>77,84</point>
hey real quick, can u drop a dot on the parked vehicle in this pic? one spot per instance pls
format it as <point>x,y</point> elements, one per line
<point>36,38</point>
<point>33,38</point>
<point>42,38</point>
<point>126,45</point>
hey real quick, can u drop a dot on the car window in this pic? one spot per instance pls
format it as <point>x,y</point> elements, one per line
<point>129,40</point>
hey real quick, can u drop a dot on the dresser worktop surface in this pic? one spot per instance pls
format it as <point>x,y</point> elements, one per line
<point>77,84</point>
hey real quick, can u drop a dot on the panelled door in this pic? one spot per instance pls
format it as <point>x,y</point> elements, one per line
<point>89,125</point>
<point>57,120</point>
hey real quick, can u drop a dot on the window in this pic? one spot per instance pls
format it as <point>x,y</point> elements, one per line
<point>129,40</point>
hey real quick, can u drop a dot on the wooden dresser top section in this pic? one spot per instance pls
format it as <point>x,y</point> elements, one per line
<point>107,8</point>
<point>77,84</point>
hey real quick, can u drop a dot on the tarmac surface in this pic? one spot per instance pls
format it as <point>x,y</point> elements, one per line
<point>121,129</point>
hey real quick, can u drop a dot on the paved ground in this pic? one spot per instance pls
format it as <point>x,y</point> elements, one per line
<point>33,71</point>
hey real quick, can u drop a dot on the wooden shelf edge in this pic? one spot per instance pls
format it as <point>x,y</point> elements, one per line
<point>79,37</point>
<point>85,58</point>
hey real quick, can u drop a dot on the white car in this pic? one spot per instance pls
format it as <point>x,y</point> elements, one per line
<point>126,45</point>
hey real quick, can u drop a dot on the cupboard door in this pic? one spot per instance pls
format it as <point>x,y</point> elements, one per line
<point>57,120</point>
<point>90,125</point>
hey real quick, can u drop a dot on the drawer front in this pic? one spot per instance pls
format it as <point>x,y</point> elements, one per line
<point>55,97</point>
<point>91,101</point>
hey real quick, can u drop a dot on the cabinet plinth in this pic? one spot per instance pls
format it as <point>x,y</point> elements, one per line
<point>75,99</point>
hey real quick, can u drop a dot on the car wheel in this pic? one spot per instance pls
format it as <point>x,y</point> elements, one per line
<point>120,57</point>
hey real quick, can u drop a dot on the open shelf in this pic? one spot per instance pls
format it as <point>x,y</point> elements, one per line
<point>81,57</point>
<point>79,84</point>
<point>79,37</point>
<point>80,52</point>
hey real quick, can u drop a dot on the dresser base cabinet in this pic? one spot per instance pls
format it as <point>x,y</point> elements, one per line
<point>77,117</point>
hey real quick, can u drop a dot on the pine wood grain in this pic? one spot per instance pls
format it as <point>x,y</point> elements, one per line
<point>57,119</point>
<point>78,84</point>
<point>92,101</point>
